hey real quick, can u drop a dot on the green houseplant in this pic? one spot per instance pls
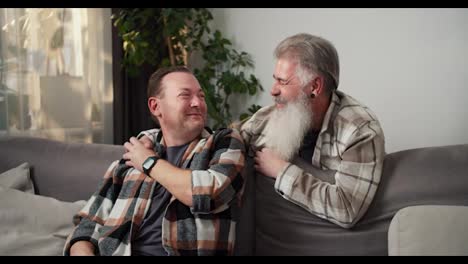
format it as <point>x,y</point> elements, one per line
<point>187,39</point>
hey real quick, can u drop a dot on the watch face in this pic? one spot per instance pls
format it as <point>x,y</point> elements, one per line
<point>148,163</point>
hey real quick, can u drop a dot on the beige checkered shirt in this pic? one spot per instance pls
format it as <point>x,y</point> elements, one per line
<point>340,181</point>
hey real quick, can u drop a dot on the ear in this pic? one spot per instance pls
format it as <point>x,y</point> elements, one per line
<point>154,105</point>
<point>317,85</point>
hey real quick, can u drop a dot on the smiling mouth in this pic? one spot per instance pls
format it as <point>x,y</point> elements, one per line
<point>195,115</point>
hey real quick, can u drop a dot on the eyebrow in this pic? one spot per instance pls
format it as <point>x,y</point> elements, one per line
<point>277,78</point>
<point>190,91</point>
<point>280,79</point>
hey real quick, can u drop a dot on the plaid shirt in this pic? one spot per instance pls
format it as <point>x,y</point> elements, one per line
<point>346,165</point>
<point>114,213</point>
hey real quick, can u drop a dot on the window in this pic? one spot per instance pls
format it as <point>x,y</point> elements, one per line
<point>56,73</point>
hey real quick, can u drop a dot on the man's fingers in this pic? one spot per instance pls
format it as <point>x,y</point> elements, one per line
<point>134,141</point>
<point>128,145</point>
<point>257,160</point>
<point>147,145</point>
<point>146,142</point>
<point>258,153</point>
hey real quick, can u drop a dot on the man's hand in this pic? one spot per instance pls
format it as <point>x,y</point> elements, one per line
<point>136,153</point>
<point>269,163</point>
<point>146,142</point>
<point>82,248</point>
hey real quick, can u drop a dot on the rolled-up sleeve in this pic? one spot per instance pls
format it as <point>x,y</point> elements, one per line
<point>96,211</point>
<point>213,189</point>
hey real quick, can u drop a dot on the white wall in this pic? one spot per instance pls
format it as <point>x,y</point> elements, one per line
<point>409,65</point>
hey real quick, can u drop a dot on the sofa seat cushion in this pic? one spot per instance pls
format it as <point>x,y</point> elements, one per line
<point>429,230</point>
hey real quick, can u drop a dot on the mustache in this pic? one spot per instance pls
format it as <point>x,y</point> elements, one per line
<point>280,100</point>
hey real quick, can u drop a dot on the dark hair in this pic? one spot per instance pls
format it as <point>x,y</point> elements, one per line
<point>155,86</point>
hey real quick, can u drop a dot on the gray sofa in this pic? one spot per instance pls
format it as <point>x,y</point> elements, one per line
<point>426,176</point>
<point>65,171</point>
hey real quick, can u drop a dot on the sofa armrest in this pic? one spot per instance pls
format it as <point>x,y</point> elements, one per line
<point>429,230</point>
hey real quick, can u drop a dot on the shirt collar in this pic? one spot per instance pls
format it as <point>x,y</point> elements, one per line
<point>335,101</point>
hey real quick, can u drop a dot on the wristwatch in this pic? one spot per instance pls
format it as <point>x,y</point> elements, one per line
<point>149,163</point>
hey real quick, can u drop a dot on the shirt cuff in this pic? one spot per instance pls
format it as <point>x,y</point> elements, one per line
<point>286,178</point>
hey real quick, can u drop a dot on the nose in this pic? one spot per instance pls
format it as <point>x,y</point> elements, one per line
<point>195,102</point>
<point>275,91</point>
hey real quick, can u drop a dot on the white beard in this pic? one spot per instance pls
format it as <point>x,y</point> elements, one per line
<point>288,126</point>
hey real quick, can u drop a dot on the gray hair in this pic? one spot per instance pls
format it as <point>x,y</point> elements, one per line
<point>315,56</point>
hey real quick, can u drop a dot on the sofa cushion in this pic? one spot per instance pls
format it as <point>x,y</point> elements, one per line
<point>429,230</point>
<point>17,178</point>
<point>434,176</point>
<point>33,224</point>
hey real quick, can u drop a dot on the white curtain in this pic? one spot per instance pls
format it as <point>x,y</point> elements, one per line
<point>56,73</point>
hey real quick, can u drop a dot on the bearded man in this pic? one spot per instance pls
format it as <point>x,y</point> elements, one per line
<point>323,149</point>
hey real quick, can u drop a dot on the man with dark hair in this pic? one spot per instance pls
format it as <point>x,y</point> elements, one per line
<point>179,197</point>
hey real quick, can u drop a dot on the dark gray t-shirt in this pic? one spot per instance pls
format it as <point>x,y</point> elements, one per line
<point>148,241</point>
<point>308,146</point>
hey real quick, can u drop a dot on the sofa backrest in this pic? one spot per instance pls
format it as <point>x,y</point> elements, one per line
<point>434,175</point>
<point>426,176</point>
<point>65,171</point>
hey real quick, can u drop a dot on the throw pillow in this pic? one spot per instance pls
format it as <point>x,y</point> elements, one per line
<point>18,178</point>
<point>428,230</point>
<point>33,224</point>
